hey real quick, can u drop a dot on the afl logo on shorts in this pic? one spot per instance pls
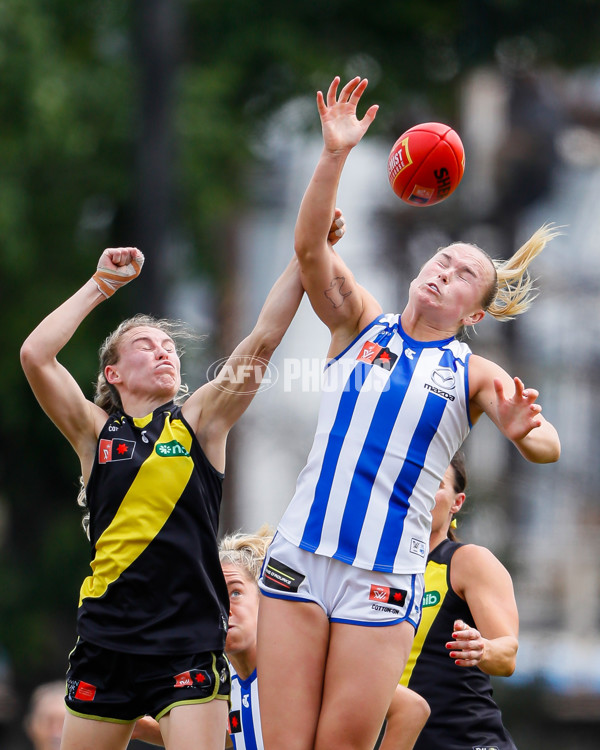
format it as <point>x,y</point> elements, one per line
<point>193,678</point>
<point>387,595</point>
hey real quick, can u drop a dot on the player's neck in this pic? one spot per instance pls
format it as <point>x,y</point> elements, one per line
<point>139,407</point>
<point>421,328</point>
<point>436,538</point>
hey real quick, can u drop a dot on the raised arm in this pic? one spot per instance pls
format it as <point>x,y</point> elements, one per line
<point>56,390</point>
<point>491,641</point>
<point>215,407</point>
<point>513,409</point>
<point>334,294</point>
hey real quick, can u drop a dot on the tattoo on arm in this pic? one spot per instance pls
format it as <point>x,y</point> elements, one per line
<point>336,294</point>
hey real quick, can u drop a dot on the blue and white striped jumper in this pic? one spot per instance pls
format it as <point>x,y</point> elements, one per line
<point>393,413</point>
<point>244,717</point>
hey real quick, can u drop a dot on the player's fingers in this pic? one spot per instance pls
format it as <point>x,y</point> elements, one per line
<point>321,106</point>
<point>466,662</point>
<point>117,267</point>
<point>499,388</point>
<point>519,387</point>
<point>120,256</point>
<point>332,90</point>
<point>370,115</point>
<point>348,93</point>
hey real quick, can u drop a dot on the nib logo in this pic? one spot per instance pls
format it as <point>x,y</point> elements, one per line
<point>173,448</point>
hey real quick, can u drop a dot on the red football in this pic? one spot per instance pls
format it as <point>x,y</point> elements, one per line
<point>426,164</point>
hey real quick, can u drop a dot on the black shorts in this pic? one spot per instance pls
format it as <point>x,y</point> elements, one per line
<point>113,686</point>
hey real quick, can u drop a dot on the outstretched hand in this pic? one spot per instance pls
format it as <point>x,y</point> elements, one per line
<point>468,647</point>
<point>117,266</point>
<point>342,130</point>
<point>519,414</point>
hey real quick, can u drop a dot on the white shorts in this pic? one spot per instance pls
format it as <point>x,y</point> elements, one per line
<point>346,593</point>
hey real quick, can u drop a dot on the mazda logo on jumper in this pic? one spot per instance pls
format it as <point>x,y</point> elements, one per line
<point>443,377</point>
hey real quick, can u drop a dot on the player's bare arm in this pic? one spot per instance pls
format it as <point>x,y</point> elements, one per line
<point>59,395</point>
<point>490,642</point>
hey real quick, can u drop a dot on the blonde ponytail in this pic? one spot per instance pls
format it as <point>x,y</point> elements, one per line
<point>514,292</point>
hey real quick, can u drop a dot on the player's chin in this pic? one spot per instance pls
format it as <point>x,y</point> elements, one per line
<point>166,393</point>
<point>168,382</point>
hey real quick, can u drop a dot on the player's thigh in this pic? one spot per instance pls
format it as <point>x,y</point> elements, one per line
<point>91,734</point>
<point>291,652</point>
<point>183,725</point>
<point>364,665</point>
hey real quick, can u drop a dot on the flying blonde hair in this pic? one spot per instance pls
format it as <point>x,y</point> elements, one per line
<point>246,551</point>
<point>513,292</point>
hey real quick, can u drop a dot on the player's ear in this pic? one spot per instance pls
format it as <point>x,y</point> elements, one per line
<point>111,374</point>
<point>474,318</point>
<point>458,502</point>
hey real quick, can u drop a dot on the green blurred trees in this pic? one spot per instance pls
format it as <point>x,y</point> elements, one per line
<point>134,123</point>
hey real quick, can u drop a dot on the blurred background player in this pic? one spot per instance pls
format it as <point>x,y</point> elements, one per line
<point>45,717</point>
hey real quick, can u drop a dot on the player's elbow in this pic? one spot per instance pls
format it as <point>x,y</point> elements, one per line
<point>551,454</point>
<point>30,356</point>
<point>308,250</point>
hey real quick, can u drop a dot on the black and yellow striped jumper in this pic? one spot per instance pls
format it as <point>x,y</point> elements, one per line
<point>156,585</point>
<point>464,715</point>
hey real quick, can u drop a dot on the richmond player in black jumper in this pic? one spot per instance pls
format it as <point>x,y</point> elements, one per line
<point>152,615</point>
<point>468,631</point>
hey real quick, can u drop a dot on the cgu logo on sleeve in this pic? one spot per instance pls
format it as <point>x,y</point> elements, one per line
<point>115,450</point>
